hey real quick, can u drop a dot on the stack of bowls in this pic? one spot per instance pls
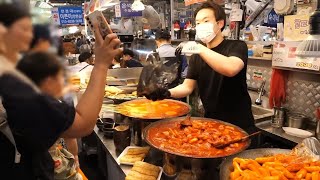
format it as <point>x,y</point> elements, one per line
<point>108,127</point>
<point>100,124</point>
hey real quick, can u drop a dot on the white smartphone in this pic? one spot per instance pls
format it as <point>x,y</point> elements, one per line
<point>97,17</point>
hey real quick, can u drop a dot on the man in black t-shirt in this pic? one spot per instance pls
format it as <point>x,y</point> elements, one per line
<point>219,70</point>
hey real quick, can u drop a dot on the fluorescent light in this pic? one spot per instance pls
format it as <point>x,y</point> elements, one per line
<point>73,29</point>
<point>43,5</point>
<point>137,5</point>
<point>108,5</point>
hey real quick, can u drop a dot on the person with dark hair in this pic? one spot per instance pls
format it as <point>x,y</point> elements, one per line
<point>19,34</point>
<point>163,41</point>
<point>86,57</point>
<point>129,62</point>
<point>46,71</point>
<point>167,52</point>
<point>85,47</point>
<point>86,62</point>
<point>218,68</point>
<point>41,38</point>
<point>37,120</point>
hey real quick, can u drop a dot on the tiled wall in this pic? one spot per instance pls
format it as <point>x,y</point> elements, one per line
<point>303,89</point>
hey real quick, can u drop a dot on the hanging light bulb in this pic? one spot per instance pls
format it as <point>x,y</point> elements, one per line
<point>137,5</point>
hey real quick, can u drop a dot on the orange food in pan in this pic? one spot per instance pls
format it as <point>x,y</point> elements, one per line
<point>275,167</point>
<point>146,109</point>
<point>198,140</point>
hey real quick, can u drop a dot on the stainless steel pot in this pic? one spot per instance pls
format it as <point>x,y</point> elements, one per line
<point>296,120</point>
<point>179,166</point>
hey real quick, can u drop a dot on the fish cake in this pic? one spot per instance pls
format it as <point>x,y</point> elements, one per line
<point>132,158</point>
<point>139,150</point>
<point>139,176</point>
<point>148,172</point>
<point>147,166</point>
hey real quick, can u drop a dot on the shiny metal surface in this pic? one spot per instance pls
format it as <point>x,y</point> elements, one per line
<point>266,126</point>
<point>159,123</point>
<point>125,73</point>
<point>278,118</point>
<point>317,133</point>
<point>226,166</point>
<point>141,47</point>
<point>261,93</point>
<point>260,113</point>
<point>296,120</point>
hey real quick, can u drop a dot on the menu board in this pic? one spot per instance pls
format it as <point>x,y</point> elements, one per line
<point>296,27</point>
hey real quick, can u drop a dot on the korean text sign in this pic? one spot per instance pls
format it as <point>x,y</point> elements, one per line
<point>296,27</point>
<point>70,15</point>
<point>126,11</point>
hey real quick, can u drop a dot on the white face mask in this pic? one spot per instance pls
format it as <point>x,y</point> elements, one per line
<point>205,32</point>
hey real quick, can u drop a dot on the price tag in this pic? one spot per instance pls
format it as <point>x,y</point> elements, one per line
<point>236,14</point>
<point>308,63</point>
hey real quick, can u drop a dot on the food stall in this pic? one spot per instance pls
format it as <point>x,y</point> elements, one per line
<point>176,146</point>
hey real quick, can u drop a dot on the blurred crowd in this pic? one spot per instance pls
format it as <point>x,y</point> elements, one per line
<point>33,84</point>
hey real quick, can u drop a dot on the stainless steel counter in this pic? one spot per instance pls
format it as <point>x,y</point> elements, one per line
<point>266,126</point>
<point>110,148</point>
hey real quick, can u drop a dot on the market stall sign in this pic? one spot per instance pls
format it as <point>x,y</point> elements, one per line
<point>70,15</point>
<point>296,27</point>
<point>55,16</point>
<point>236,13</point>
<point>124,10</point>
<point>284,56</point>
<point>189,2</point>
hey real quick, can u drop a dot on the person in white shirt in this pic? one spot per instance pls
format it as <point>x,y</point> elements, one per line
<point>86,63</point>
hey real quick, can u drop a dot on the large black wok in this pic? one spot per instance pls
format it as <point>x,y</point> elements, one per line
<point>226,166</point>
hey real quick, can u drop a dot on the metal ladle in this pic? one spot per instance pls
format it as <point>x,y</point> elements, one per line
<point>186,122</point>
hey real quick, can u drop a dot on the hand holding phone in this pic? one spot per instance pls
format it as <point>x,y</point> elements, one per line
<point>97,18</point>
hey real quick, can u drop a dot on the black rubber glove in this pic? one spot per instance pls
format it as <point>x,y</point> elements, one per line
<point>179,48</point>
<point>159,94</point>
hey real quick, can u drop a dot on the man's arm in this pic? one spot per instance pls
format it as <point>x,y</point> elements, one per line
<point>227,66</point>
<point>184,89</point>
<point>89,105</point>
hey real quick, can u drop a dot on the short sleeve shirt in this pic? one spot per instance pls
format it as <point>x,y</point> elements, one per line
<point>224,98</point>
<point>36,121</point>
